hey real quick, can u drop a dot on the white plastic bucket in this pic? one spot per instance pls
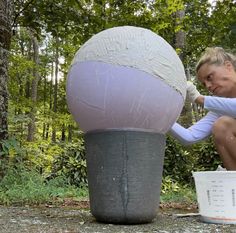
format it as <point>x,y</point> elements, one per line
<point>216,196</point>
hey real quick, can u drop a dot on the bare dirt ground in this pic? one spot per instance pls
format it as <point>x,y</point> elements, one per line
<point>76,218</point>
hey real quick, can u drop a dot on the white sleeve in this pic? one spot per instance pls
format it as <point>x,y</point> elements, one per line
<point>197,132</point>
<point>221,105</point>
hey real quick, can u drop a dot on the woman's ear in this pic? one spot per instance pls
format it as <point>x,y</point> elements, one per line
<point>229,65</point>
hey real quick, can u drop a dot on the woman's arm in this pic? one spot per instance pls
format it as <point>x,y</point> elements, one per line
<point>220,105</point>
<point>197,132</point>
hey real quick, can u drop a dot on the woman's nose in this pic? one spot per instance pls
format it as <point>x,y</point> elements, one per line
<point>208,86</point>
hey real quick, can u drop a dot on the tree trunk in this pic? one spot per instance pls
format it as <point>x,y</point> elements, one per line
<point>47,129</point>
<point>34,88</point>
<point>44,106</point>
<point>180,34</point>
<point>63,133</point>
<point>5,40</point>
<point>70,128</point>
<point>186,118</point>
<point>55,88</point>
<point>6,7</point>
<point>180,38</point>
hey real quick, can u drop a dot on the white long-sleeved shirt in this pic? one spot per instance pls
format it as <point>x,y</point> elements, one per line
<point>217,106</point>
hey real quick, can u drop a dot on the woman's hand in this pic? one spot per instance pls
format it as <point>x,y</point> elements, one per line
<point>193,95</point>
<point>200,100</point>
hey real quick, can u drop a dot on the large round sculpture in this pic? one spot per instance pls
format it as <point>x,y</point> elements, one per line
<point>126,87</point>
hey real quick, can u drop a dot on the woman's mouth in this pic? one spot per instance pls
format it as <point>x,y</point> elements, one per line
<point>214,90</point>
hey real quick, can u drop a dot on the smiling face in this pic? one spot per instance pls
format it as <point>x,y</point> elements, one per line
<point>220,80</point>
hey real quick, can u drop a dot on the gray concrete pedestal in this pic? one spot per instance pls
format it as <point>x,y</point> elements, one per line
<point>124,174</point>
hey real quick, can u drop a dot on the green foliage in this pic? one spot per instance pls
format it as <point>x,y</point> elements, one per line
<point>207,156</point>
<point>208,25</point>
<point>223,26</point>
<point>173,191</point>
<point>51,160</point>
<point>168,185</point>
<point>10,149</point>
<point>57,159</point>
<point>23,186</point>
<point>179,162</point>
<point>204,26</point>
<point>71,164</point>
<point>40,155</point>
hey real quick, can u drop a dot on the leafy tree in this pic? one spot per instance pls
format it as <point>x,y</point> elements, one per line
<point>60,28</point>
<point>6,7</point>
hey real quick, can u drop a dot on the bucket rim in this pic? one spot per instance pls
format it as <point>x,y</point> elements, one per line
<point>213,172</point>
<point>125,129</point>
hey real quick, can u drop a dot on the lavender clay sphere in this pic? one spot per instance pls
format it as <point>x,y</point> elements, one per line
<point>126,77</point>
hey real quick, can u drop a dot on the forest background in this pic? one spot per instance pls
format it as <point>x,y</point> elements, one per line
<point>38,39</point>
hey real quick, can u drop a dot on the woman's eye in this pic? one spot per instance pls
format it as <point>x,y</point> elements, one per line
<point>209,77</point>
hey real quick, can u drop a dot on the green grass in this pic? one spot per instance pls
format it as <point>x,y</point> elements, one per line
<point>186,195</point>
<point>172,191</point>
<point>20,186</point>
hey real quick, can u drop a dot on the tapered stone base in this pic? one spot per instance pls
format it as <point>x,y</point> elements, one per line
<point>124,175</point>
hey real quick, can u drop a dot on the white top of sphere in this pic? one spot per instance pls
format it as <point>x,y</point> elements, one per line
<point>137,48</point>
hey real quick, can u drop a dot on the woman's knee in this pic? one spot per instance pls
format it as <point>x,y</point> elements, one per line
<point>223,126</point>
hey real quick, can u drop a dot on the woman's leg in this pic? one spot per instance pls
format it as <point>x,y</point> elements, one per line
<point>224,133</point>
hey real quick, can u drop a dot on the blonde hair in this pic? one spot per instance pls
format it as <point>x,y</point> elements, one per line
<point>217,56</point>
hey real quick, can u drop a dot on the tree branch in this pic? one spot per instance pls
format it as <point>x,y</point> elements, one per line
<point>23,9</point>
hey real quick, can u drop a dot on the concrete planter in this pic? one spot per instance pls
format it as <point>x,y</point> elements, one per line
<point>124,174</point>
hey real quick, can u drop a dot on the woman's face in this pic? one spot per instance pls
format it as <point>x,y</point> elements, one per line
<point>220,80</point>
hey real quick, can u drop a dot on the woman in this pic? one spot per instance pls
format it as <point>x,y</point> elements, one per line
<point>216,70</point>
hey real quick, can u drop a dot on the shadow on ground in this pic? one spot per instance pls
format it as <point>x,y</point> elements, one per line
<point>74,220</point>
